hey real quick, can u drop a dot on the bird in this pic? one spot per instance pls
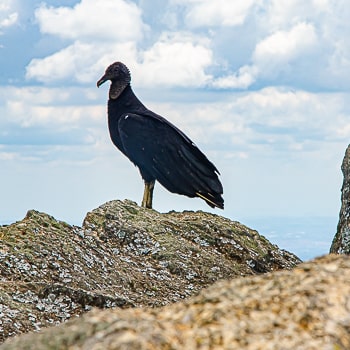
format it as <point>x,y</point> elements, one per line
<point>160,150</point>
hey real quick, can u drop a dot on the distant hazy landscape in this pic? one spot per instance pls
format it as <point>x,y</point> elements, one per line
<point>307,237</point>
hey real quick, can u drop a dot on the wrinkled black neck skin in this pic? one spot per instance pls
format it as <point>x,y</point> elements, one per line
<point>127,102</point>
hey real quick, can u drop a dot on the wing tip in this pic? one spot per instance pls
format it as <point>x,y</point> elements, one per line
<point>214,202</point>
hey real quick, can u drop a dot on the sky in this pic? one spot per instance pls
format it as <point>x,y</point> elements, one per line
<point>261,86</point>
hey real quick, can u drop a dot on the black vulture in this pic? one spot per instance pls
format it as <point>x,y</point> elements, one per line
<point>159,149</point>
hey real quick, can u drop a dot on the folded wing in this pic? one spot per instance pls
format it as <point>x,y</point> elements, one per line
<point>163,152</point>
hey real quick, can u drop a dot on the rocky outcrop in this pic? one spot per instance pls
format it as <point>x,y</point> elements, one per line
<point>123,256</point>
<point>341,241</point>
<point>306,308</point>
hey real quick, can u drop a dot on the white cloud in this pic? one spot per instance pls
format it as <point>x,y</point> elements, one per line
<point>9,20</point>
<point>301,116</point>
<point>267,122</point>
<point>297,43</point>
<point>112,20</point>
<point>273,55</point>
<point>282,15</point>
<point>339,65</point>
<point>65,116</point>
<point>8,16</point>
<point>328,65</point>
<point>202,13</point>
<point>283,46</point>
<point>83,62</point>
<point>8,155</point>
<point>278,51</point>
<point>50,107</point>
<point>174,61</point>
<point>335,32</point>
<point>245,77</point>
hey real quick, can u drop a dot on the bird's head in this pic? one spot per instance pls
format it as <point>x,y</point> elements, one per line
<point>119,75</point>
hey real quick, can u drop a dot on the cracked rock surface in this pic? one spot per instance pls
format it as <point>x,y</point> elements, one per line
<point>123,256</point>
<point>307,308</point>
<point>341,241</point>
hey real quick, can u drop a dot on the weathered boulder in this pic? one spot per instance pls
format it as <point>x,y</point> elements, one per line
<point>123,256</point>
<point>307,308</point>
<point>341,241</point>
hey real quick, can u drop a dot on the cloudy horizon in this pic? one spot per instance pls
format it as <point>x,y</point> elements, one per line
<point>261,87</point>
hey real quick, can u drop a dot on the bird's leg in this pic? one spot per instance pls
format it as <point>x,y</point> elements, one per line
<point>148,195</point>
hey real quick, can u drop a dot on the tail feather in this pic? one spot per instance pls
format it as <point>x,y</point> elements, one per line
<point>212,200</point>
<point>202,170</point>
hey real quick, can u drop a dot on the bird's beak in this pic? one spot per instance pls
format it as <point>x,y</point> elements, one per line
<point>101,81</point>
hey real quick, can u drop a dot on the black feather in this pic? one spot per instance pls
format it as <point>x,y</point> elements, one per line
<point>159,149</point>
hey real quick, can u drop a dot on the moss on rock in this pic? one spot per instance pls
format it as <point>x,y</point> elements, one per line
<point>122,256</point>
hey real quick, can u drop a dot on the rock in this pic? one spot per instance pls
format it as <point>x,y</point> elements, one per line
<point>307,308</point>
<point>123,256</point>
<point>341,241</point>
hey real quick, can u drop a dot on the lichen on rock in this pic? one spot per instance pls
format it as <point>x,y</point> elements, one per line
<point>341,241</point>
<point>123,256</point>
<point>306,308</point>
